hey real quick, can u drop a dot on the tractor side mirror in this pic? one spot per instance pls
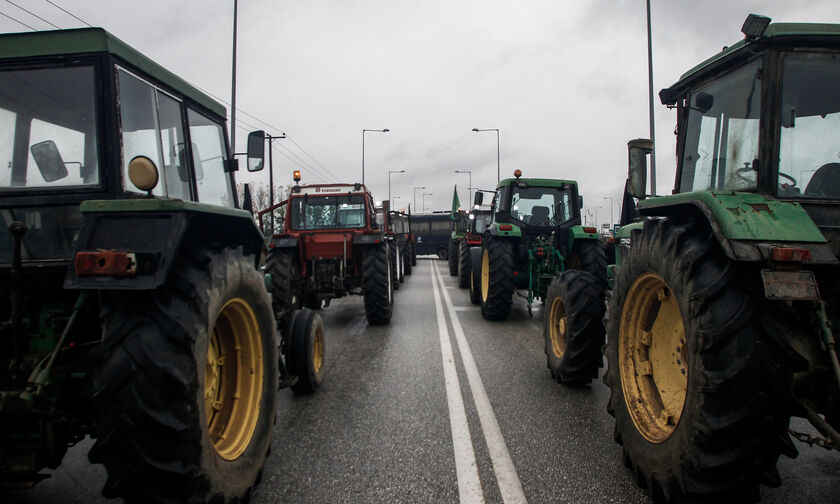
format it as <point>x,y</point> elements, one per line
<point>580,202</point>
<point>479,198</point>
<point>256,150</point>
<point>49,160</point>
<point>637,171</point>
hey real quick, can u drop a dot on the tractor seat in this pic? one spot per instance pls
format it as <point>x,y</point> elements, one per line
<point>825,183</point>
<point>539,216</point>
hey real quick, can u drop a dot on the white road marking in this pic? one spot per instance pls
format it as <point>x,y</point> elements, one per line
<point>466,469</point>
<point>509,484</point>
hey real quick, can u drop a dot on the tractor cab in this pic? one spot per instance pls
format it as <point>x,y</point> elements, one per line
<point>762,118</point>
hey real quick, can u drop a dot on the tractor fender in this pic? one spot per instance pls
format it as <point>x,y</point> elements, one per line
<point>505,229</point>
<point>283,242</point>
<point>153,231</point>
<point>746,223</point>
<point>577,233</point>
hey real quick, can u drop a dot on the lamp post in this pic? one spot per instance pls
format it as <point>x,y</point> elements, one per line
<point>271,138</point>
<point>611,210</point>
<point>498,141</point>
<point>424,200</point>
<point>469,189</point>
<point>389,181</point>
<point>415,195</point>
<point>386,130</point>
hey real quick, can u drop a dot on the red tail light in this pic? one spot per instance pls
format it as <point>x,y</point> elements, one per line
<point>106,262</point>
<point>590,229</point>
<point>790,254</point>
<point>505,227</point>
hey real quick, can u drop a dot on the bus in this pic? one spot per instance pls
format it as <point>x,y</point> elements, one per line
<point>432,232</point>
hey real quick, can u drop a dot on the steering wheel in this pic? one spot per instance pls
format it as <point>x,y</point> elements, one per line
<point>747,168</point>
<point>792,180</point>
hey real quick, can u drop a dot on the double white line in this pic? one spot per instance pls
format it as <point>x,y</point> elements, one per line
<point>469,484</point>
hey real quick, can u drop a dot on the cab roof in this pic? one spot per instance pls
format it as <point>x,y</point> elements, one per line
<point>536,182</point>
<point>778,33</point>
<point>92,41</point>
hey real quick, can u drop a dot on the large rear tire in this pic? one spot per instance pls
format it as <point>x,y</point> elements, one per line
<point>395,266</point>
<point>452,257</point>
<point>573,327</point>
<point>307,350</point>
<point>497,285</point>
<point>589,256</point>
<point>377,285</point>
<point>699,387</point>
<point>284,269</point>
<point>475,275</point>
<point>185,383</point>
<point>406,259</point>
<point>463,264</point>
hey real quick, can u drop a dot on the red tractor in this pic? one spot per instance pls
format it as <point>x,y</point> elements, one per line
<point>328,244</point>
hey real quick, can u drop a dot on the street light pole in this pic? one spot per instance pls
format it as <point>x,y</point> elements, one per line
<point>415,196</point>
<point>611,210</point>
<point>389,181</point>
<point>270,138</point>
<point>498,151</point>
<point>424,200</point>
<point>386,130</point>
<point>469,189</point>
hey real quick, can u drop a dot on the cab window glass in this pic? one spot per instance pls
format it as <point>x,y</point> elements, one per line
<point>208,156</point>
<point>151,125</point>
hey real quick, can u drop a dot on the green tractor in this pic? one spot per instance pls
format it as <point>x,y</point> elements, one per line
<point>460,228</point>
<point>725,306</point>
<point>132,301</point>
<point>535,233</point>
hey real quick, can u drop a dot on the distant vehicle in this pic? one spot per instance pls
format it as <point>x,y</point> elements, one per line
<point>432,232</point>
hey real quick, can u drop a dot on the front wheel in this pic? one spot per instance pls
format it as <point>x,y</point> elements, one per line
<point>463,264</point>
<point>475,275</point>
<point>589,256</point>
<point>452,257</point>
<point>307,350</point>
<point>406,260</point>
<point>377,285</point>
<point>497,285</point>
<point>283,266</point>
<point>573,327</point>
<point>185,383</point>
<point>699,385</point>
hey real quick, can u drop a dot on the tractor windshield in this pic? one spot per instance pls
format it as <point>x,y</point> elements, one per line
<point>328,212</point>
<point>809,157</point>
<point>541,206</point>
<point>48,128</point>
<point>721,137</point>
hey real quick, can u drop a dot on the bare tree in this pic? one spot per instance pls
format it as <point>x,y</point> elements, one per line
<point>260,201</point>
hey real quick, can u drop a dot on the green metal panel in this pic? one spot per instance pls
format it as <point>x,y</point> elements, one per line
<point>160,205</point>
<point>91,41</point>
<point>746,216</point>
<point>577,233</point>
<point>515,232</point>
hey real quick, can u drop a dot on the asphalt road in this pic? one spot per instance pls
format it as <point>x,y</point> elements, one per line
<point>441,406</point>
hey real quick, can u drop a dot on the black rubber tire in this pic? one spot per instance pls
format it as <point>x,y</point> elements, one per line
<point>475,275</point>
<point>413,254</point>
<point>590,256</point>
<point>307,350</point>
<point>283,266</point>
<point>452,257</point>
<point>406,259</point>
<point>398,260</point>
<point>377,285</point>
<point>441,253</point>
<point>498,298</point>
<point>463,264</point>
<point>149,403</point>
<point>576,297</point>
<point>734,421</point>
<point>395,269</point>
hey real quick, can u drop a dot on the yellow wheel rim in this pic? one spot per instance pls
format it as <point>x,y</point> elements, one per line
<point>485,275</point>
<point>318,350</point>
<point>652,357</point>
<point>233,379</point>
<point>558,324</point>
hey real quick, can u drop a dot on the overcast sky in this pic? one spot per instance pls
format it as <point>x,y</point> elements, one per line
<point>564,81</point>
